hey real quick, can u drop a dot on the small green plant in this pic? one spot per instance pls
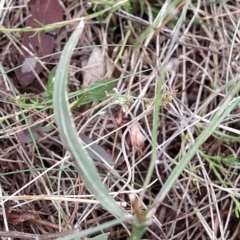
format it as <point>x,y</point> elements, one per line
<point>216,164</point>
<point>93,93</point>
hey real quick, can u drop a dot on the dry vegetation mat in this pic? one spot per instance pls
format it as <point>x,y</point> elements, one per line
<point>119,119</point>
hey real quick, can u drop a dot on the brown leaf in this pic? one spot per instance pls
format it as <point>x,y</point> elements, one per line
<point>40,44</point>
<point>96,151</point>
<point>120,119</point>
<point>136,137</point>
<point>94,70</point>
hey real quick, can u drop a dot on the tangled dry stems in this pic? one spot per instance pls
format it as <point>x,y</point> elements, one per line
<point>198,200</point>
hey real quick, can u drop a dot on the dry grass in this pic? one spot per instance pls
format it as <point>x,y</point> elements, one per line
<point>198,206</point>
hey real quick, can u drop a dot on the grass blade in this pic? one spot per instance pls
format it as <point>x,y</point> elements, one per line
<point>68,133</point>
<point>219,116</point>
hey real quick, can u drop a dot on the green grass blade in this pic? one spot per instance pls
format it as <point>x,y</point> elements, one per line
<point>157,101</point>
<point>68,131</point>
<point>169,7</point>
<point>137,232</point>
<point>103,236</point>
<point>219,116</point>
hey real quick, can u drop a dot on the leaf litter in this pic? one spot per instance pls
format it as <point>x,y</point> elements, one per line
<point>36,45</point>
<point>34,133</point>
<point>137,138</point>
<point>171,119</point>
<point>94,69</point>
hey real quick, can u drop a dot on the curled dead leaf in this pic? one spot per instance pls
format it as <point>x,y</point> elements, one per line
<point>121,119</point>
<point>95,68</point>
<point>136,137</point>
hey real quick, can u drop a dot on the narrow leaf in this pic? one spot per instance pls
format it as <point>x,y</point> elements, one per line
<point>68,132</point>
<point>103,236</point>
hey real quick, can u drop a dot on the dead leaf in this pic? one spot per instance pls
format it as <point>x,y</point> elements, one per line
<point>40,44</point>
<point>37,132</point>
<point>25,137</point>
<point>95,68</point>
<point>136,137</point>
<point>120,119</point>
<point>96,151</point>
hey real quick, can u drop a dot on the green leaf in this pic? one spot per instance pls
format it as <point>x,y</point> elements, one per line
<point>138,231</point>
<point>97,91</point>
<point>68,132</point>
<point>103,236</point>
<point>50,83</point>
